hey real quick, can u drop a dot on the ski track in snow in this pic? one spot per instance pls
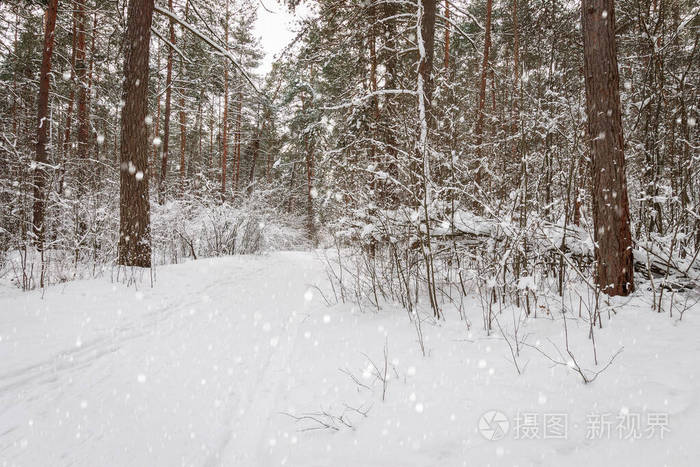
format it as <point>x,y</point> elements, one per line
<point>233,320</point>
<point>204,368</point>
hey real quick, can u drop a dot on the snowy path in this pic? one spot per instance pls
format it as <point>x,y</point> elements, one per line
<point>183,373</point>
<point>205,368</point>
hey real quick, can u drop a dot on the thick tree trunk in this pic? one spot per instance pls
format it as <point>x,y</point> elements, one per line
<point>40,174</point>
<point>614,271</point>
<point>166,118</point>
<point>134,207</point>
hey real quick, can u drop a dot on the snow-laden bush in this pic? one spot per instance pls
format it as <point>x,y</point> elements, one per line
<point>83,231</point>
<point>204,226</point>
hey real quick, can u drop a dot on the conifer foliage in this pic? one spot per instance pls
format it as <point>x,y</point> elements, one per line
<point>511,138</point>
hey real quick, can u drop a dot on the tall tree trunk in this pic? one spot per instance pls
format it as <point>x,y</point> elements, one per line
<point>515,114</point>
<point>267,119</point>
<point>69,110</point>
<point>373,81</point>
<point>81,73</point>
<point>614,272</point>
<point>156,128</point>
<point>391,54</point>
<point>482,89</point>
<point>224,151</point>
<point>183,141</point>
<point>15,96</point>
<point>166,118</point>
<point>91,68</point>
<point>254,162</point>
<point>200,126</point>
<point>310,188</point>
<point>426,51</point>
<point>40,173</point>
<point>183,121</point>
<point>237,155</point>
<point>447,35</point>
<point>134,208</point>
<point>426,63</point>
<point>211,138</point>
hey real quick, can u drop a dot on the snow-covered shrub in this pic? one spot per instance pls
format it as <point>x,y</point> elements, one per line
<point>204,226</point>
<point>83,232</point>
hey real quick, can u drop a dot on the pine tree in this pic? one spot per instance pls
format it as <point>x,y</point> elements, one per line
<point>134,206</point>
<point>43,123</point>
<point>614,260</point>
<point>162,180</point>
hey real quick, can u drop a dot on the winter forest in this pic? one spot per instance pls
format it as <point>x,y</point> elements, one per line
<point>408,233</point>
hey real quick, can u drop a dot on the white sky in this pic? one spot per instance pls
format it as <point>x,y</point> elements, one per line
<point>274,29</point>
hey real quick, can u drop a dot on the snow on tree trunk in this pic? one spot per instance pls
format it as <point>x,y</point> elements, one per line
<point>43,122</point>
<point>134,208</point>
<point>81,75</point>
<point>166,117</point>
<point>614,271</point>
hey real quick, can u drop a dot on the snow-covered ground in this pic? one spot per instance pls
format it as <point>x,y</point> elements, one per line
<point>238,361</point>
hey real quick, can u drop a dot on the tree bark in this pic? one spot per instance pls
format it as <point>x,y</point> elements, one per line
<point>482,89</point>
<point>166,117</point>
<point>134,207</point>
<point>15,122</point>
<point>200,126</point>
<point>40,173</point>
<point>183,142</point>
<point>156,129</point>
<point>614,262</point>
<point>426,65</point>
<point>447,35</point>
<point>515,114</point>
<point>69,110</point>
<point>254,162</point>
<point>90,79</point>
<point>183,120</point>
<point>81,74</point>
<point>224,151</point>
<point>237,138</point>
